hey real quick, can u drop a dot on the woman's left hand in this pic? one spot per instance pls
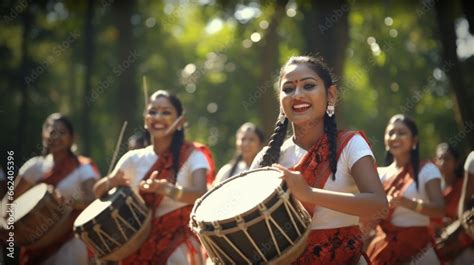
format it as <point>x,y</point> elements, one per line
<point>154,185</point>
<point>296,183</point>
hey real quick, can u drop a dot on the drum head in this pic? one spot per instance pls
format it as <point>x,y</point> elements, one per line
<point>238,195</point>
<point>99,205</point>
<point>28,200</point>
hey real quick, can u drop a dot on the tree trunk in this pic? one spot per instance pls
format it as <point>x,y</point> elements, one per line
<point>325,29</point>
<point>27,20</point>
<point>89,54</point>
<point>125,70</point>
<point>452,67</point>
<point>269,106</point>
<point>326,32</point>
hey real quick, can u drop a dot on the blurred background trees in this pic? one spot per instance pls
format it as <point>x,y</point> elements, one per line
<point>222,58</point>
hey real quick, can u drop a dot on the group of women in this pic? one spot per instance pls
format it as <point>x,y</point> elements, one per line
<point>332,172</point>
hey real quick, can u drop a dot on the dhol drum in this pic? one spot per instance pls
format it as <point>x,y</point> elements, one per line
<point>251,218</point>
<point>452,241</point>
<point>114,226</point>
<point>41,217</point>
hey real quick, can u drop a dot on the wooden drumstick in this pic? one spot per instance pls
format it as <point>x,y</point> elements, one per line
<point>145,90</point>
<point>117,147</point>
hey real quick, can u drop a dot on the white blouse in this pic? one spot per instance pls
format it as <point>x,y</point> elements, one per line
<point>136,163</point>
<point>324,218</point>
<point>402,216</point>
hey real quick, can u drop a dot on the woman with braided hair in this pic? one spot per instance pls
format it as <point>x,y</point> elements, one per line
<point>331,172</point>
<point>171,174</point>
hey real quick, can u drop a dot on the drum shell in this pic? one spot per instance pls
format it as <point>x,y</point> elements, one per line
<point>258,229</point>
<point>120,229</point>
<point>45,223</point>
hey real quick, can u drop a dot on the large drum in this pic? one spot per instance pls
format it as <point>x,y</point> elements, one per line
<point>251,219</point>
<point>452,241</point>
<point>41,217</point>
<point>114,226</point>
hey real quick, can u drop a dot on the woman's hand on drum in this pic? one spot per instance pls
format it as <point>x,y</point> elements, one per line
<point>296,183</point>
<point>119,179</point>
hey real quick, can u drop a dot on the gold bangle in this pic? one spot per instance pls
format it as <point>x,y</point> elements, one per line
<point>175,193</point>
<point>419,206</point>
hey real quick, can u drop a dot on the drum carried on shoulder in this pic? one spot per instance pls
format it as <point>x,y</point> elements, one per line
<point>41,217</point>
<point>114,226</point>
<point>251,218</point>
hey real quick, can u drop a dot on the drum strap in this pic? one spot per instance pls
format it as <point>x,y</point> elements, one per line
<point>62,170</point>
<point>314,166</point>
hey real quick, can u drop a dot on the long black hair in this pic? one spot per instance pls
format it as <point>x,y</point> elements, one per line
<point>272,154</point>
<point>447,147</point>
<point>57,117</point>
<point>415,152</point>
<point>243,128</point>
<point>178,136</point>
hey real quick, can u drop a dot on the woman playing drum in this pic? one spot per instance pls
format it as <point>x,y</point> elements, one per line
<point>331,172</point>
<point>170,174</point>
<point>73,176</point>
<point>413,189</point>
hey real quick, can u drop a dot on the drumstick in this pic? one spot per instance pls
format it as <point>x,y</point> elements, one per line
<point>145,90</point>
<point>117,147</point>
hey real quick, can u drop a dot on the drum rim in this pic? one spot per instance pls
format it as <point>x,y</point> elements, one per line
<point>47,189</point>
<point>194,223</point>
<point>118,192</point>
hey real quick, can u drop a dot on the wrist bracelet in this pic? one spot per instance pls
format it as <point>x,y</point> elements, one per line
<point>419,206</point>
<point>175,193</point>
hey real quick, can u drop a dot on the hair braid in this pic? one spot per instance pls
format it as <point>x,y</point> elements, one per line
<point>330,128</point>
<point>272,154</point>
<point>235,163</point>
<point>177,142</point>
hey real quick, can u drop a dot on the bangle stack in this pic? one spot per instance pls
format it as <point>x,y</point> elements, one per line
<point>175,193</point>
<point>419,206</point>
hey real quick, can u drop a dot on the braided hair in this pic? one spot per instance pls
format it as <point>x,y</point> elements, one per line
<point>318,66</point>
<point>414,153</point>
<point>178,136</point>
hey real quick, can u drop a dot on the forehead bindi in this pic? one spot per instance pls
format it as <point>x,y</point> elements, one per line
<point>299,72</point>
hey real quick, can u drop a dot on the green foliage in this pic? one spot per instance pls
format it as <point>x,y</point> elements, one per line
<point>204,54</point>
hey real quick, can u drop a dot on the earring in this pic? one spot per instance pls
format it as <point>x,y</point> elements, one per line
<point>330,110</point>
<point>413,147</point>
<point>180,128</point>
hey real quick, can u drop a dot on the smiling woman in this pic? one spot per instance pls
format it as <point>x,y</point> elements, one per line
<point>170,175</point>
<point>331,172</point>
<point>413,189</point>
<point>72,176</point>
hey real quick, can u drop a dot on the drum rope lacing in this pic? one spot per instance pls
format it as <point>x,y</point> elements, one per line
<point>134,208</point>
<point>285,200</point>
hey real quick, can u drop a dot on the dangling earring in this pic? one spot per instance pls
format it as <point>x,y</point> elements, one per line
<point>330,110</point>
<point>413,147</point>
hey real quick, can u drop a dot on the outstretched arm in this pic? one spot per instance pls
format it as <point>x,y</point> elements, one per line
<point>371,199</point>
